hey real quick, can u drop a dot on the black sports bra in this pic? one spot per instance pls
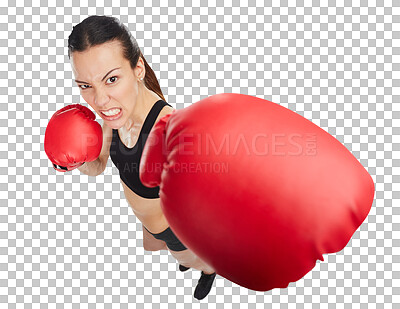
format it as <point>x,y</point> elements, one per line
<point>127,160</point>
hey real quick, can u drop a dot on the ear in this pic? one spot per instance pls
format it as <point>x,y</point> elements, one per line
<point>140,70</point>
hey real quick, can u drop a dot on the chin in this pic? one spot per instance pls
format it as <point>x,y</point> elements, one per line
<point>115,124</point>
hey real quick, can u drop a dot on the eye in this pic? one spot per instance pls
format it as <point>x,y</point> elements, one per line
<point>112,79</point>
<point>83,86</point>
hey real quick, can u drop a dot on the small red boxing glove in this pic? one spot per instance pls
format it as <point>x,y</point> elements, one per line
<point>72,137</point>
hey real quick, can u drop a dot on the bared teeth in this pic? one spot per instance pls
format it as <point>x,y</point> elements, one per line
<point>111,112</point>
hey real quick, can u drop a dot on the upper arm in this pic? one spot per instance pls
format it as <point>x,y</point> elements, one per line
<point>105,149</point>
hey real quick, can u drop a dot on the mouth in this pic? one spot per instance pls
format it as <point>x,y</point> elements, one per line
<point>112,113</point>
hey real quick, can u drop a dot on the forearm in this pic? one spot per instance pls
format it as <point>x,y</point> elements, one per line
<point>93,168</point>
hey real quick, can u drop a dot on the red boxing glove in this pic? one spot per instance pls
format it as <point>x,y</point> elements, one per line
<point>257,191</point>
<point>72,137</point>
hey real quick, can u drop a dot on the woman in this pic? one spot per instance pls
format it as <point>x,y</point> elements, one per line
<point>116,81</point>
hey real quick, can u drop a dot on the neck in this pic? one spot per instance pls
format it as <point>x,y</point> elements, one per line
<point>144,102</point>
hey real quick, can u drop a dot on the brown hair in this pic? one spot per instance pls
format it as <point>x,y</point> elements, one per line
<point>96,30</point>
<point>150,79</point>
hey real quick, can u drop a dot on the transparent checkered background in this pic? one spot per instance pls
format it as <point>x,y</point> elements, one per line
<point>71,241</point>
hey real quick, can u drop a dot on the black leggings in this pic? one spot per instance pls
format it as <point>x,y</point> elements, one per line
<point>170,239</point>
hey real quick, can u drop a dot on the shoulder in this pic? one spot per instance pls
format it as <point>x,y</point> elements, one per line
<point>165,111</point>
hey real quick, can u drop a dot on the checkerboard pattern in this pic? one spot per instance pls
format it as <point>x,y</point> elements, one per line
<point>71,241</point>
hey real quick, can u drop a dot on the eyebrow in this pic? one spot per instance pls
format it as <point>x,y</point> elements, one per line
<point>78,81</point>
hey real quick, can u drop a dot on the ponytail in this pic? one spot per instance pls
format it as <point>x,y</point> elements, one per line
<point>150,79</point>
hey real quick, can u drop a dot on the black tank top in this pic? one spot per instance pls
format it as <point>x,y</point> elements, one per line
<point>127,160</point>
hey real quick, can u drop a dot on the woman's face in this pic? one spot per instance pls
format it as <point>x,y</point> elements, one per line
<point>107,82</point>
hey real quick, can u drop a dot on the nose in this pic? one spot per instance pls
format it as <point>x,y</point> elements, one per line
<point>101,99</point>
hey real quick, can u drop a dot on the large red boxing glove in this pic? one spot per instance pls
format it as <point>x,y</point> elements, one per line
<point>254,189</point>
<point>72,137</point>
